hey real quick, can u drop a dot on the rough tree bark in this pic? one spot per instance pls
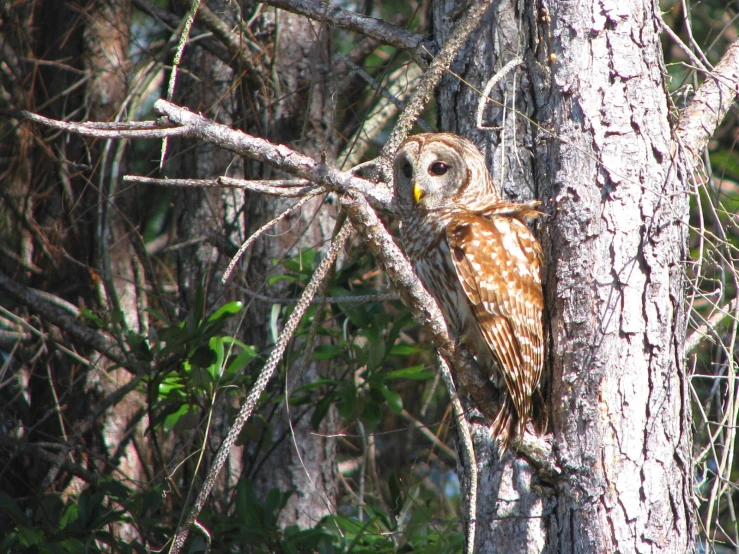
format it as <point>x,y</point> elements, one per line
<point>301,116</point>
<point>301,459</point>
<point>602,158</point>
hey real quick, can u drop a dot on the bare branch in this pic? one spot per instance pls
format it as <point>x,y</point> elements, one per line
<point>288,189</point>
<point>278,156</point>
<point>351,21</point>
<point>115,130</point>
<point>61,318</point>
<point>708,328</point>
<point>468,450</point>
<point>292,188</point>
<point>708,107</point>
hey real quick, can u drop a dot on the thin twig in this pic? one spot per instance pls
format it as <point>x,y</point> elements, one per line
<point>138,129</point>
<point>287,188</point>
<point>62,319</point>
<point>494,80</point>
<point>358,299</point>
<point>435,72</point>
<point>384,92</point>
<point>259,232</point>
<point>709,326</point>
<point>187,26</point>
<point>470,460</point>
<point>426,432</point>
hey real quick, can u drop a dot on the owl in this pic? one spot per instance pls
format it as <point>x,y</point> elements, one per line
<point>474,253</point>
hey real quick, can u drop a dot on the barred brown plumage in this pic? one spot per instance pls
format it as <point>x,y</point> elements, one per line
<point>476,256</point>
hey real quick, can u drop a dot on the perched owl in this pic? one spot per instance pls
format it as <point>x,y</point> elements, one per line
<point>476,256</point>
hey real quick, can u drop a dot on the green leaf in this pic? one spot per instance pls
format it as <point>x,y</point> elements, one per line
<point>416,372</point>
<point>404,320</point>
<point>226,311</point>
<point>52,509</point>
<point>71,514</point>
<point>86,506</point>
<point>327,351</point>
<point>317,384</point>
<point>404,350</point>
<point>91,316</point>
<point>348,402</point>
<point>376,353</point>
<point>183,418</point>
<point>29,537</point>
<point>371,415</point>
<point>321,410</point>
<point>393,399</point>
<point>278,278</point>
<point>203,357</point>
<point>8,506</point>
<point>114,489</point>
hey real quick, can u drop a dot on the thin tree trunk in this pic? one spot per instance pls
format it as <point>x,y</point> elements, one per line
<point>301,460</point>
<point>302,119</point>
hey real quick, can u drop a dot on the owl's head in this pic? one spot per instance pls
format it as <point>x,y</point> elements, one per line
<point>433,171</point>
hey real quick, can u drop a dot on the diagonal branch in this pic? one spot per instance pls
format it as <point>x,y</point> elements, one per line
<point>352,21</point>
<point>36,303</point>
<point>278,156</point>
<point>710,104</point>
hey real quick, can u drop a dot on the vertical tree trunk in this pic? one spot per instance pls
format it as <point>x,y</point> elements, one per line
<point>297,113</point>
<point>106,57</point>
<point>301,460</point>
<point>615,243</point>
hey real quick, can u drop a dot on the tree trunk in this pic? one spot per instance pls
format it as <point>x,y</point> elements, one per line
<point>615,242</point>
<point>72,212</point>
<point>302,120</point>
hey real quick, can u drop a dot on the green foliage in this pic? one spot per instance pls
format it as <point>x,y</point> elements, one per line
<point>55,526</point>
<point>385,369</point>
<point>208,359</point>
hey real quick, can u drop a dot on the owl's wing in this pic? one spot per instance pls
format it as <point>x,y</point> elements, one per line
<point>497,261</point>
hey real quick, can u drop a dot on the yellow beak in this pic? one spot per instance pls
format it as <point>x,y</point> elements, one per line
<point>417,192</point>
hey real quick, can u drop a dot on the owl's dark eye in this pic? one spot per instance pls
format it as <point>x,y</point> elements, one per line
<point>438,168</point>
<point>407,170</point>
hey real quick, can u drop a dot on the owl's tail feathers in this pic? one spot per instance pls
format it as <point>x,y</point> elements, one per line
<point>539,413</point>
<point>508,424</point>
